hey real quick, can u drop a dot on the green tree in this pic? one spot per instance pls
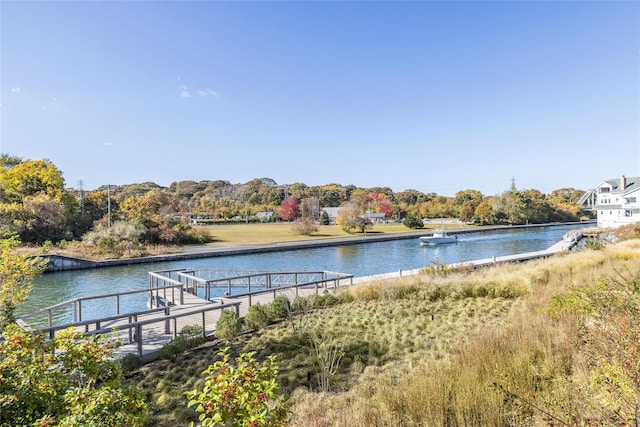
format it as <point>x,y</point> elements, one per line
<point>412,222</point>
<point>71,381</point>
<point>324,218</point>
<point>244,394</point>
<point>16,273</point>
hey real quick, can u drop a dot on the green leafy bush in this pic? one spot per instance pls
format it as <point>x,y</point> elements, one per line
<point>257,317</point>
<point>300,305</point>
<point>412,222</point>
<point>191,336</point>
<point>279,308</point>
<point>78,384</point>
<point>130,363</point>
<point>228,325</point>
<point>246,394</point>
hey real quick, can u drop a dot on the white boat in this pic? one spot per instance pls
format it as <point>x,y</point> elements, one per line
<point>438,237</point>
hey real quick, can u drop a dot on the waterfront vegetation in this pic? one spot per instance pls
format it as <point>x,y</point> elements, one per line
<point>147,219</point>
<point>516,344</point>
<point>552,341</point>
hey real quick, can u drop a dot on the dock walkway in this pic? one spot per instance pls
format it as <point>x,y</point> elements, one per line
<point>174,302</point>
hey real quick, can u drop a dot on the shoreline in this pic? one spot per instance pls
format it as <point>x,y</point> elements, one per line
<point>58,263</point>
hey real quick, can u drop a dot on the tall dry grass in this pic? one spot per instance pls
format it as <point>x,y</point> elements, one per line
<point>474,348</point>
<point>527,371</point>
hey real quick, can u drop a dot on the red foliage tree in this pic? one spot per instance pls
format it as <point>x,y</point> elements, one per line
<point>387,208</point>
<point>289,209</point>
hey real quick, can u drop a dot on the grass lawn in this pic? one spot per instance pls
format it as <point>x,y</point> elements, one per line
<point>254,234</point>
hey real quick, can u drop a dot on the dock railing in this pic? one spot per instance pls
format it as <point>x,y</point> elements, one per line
<point>324,284</point>
<point>171,295</point>
<point>154,331</point>
<point>146,331</point>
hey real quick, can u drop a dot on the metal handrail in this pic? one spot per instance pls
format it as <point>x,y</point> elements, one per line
<point>77,302</point>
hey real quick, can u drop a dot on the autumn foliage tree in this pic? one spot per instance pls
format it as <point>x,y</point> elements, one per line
<point>290,208</point>
<point>347,217</point>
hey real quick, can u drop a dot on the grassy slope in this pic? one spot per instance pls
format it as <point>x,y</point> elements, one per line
<point>419,351</point>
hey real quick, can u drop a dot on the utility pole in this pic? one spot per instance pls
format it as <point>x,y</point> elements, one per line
<point>81,197</point>
<point>109,205</point>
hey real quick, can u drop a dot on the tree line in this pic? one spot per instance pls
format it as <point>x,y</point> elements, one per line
<point>36,206</point>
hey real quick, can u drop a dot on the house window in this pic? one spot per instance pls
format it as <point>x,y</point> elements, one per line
<point>627,213</point>
<point>604,190</point>
<point>631,200</point>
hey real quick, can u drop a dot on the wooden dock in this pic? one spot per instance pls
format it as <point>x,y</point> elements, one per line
<point>174,304</point>
<point>173,300</point>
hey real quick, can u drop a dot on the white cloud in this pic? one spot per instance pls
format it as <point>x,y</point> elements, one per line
<point>15,90</point>
<point>208,92</point>
<point>108,144</point>
<point>184,92</point>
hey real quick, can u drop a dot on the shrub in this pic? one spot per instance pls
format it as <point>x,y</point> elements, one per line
<point>279,308</point>
<point>71,380</point>
<point>246,394</point>
<point>325,300</point>
<point>305,227</point>
<point>130,363</point>
<point>174,348</point>
<point>412,222</point>
<point>228,325</point>
<point>191,336</point>
<point>300,305</point>
<point>257,317</point>
<point>594,244</point>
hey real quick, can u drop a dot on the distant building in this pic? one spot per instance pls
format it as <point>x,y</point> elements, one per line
<point>376,217</point>
<point>333,214</point>
<point>264,216</point>
<point>616,202</point>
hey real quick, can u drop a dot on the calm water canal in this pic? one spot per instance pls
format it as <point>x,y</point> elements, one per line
<point>360,260</point>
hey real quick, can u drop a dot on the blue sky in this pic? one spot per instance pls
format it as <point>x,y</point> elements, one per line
<point>433,96</point>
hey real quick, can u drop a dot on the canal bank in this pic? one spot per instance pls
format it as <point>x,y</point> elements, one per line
<point>63,263</point>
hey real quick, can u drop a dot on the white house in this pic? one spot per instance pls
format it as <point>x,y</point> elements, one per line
<point>617,202</point>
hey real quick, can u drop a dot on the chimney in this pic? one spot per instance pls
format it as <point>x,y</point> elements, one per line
<point>623,182</point>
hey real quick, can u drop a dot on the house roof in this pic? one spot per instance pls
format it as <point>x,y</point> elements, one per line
<point>375,215</point>
<point>633,184</point>
<point>332,211</point>
<point>264,214</point>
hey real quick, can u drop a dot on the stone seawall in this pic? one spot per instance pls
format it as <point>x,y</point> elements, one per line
<point>64,263</point>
